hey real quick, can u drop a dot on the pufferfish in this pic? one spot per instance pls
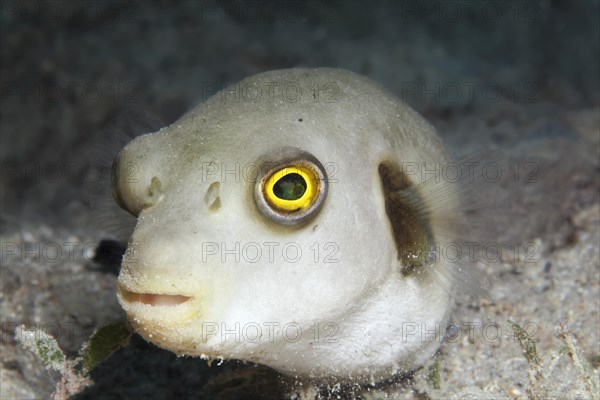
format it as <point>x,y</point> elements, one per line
<point>291,221</point>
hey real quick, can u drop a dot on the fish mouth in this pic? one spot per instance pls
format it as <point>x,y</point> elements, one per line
<point>153,299</point>
<point>161,316</point>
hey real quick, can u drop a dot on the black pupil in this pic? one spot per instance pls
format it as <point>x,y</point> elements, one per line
<point>290,187</point>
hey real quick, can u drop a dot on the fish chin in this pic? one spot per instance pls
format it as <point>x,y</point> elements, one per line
<point>158,317</point>
<point>173,322</point>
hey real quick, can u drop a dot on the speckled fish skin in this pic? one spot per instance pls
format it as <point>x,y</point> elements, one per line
<point>350,125</point>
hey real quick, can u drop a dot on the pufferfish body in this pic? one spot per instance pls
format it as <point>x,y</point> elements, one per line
<point>278,223</point>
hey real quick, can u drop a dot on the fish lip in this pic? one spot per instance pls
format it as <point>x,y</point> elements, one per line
<point>154,298</point>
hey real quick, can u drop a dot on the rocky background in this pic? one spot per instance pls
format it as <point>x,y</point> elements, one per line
<point>518,76</point>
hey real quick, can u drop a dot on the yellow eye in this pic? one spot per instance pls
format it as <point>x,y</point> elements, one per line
<point>293,189</point>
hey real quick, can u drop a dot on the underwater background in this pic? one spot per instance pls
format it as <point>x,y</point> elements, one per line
<point>520,76</point>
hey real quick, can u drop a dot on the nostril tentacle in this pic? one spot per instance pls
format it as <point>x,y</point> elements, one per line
<point>212,199</point>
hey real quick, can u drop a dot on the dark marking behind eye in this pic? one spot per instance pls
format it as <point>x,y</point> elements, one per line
<point>408,217</point>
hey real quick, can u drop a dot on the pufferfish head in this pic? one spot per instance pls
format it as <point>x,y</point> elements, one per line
<point>276,224</point>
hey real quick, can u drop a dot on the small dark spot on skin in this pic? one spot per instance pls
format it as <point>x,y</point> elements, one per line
<point>315,227</point>
<point>300,120</point>
<point>547,267</point>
